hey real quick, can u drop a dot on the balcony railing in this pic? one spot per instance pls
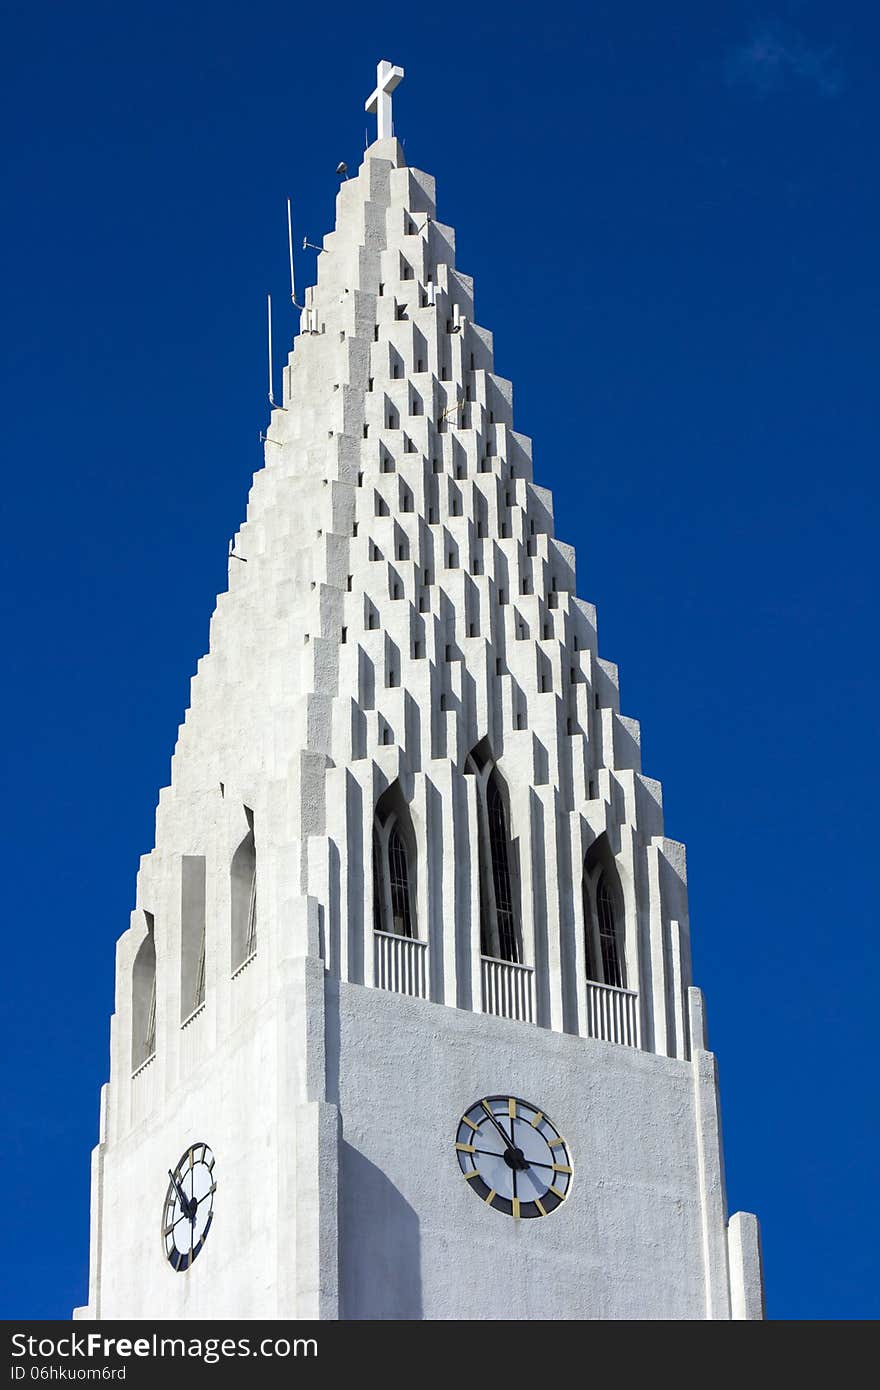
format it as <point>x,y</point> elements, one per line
<point>508,989</point>
<point>612,1014</point>
<point>401,964</point>
<point>144,1085</point>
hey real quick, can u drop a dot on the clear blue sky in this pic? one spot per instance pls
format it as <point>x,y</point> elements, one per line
<point>671,212</point>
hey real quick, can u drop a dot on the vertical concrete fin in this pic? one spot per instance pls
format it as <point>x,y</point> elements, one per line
<point>712,1196</point>
<point>746,1267</point>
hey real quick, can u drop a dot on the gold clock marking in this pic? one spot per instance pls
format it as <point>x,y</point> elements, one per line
<point>560,1168</point>
<point>537,1120</point>
<point>465,1148</point>
<point>552,1143</point>
<point>516,1208</point>
<point>470,1124</point>
<point>540,1205</point>
<point>490,1198</point>
<point>556,1192</point>
<point>472,1174</point>
<point>511,1107</point>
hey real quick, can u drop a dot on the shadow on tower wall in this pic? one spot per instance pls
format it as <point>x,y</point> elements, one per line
<point>379,1245</point>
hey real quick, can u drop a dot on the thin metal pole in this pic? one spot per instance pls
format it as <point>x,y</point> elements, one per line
<point>290,247</point>
<point>269,314</point>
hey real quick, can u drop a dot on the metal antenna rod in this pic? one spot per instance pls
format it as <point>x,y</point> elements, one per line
<point>269,314</point>
<point>290,248</point>
<point>272,401</point>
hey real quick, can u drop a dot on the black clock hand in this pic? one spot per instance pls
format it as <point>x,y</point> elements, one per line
<point>507,1142</point>
<point>517,1155</point>
<point>184,1200</point>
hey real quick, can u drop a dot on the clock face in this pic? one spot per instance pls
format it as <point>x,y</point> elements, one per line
<point>513,1157</point>
<point>189,1206</point>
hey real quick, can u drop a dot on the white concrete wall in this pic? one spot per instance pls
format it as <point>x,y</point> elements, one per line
<point>230,1103</point>
<point>415,1242</point>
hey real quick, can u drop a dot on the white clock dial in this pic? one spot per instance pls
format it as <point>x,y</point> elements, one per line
<point>189,1206</point>
<point>513,1157</point>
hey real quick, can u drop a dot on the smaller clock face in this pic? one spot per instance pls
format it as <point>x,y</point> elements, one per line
<point>189,1206</point>
<point>513,1157</point>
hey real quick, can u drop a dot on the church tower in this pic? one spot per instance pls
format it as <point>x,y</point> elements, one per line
<point>406,994</point>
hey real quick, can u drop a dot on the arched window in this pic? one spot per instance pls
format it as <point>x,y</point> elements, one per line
<point>612,966</point>
<point>394,863</point>
<point>500,932</point>
<point>603,918</point>
<point>143,999</point>
<point>192,934</point>
<point>243,883</point>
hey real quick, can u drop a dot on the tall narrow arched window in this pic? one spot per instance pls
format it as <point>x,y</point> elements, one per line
<point>192,934</point>
<point>394,863</point>
<point>499,841</point>
<point>603,918</point>
<point>243,884</point>
<point>500,931</point>
<point>143,999</point>
<point>612,966</point>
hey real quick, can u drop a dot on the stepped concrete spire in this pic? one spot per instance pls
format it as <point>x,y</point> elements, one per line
<point>408,857</point>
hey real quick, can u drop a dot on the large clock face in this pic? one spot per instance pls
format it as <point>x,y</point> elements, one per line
<point>189,1206</point>
<point>513,1157</point>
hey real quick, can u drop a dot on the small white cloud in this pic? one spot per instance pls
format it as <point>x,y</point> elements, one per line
<point>776,58</point>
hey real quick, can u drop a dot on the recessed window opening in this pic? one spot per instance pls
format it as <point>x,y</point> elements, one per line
<point>143,998</point>
<point>612,964</point>
<point>499,926</point>
<point>243,887</point>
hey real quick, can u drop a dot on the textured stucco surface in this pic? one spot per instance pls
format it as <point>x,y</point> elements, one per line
<point>416,1242</point>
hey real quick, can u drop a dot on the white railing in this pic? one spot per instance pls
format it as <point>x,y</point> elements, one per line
<point>248,960</point>
<point>192,1038</point>
<point>507,989</point>
<point>401,964</point>
<point>143,1089</point>
<point>612,1014</point>
<point>246,983</point>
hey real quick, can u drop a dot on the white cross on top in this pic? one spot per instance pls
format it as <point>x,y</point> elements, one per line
<point>387,78</point>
